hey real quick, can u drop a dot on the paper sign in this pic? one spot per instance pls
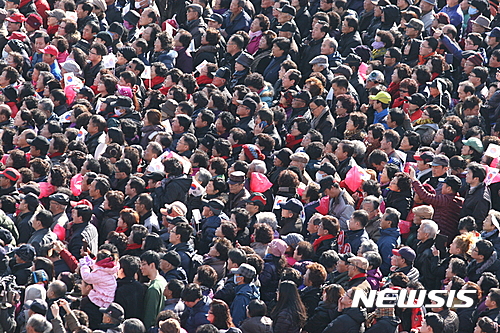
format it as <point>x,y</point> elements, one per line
<point>493,150</point>
<point>200,66</point>
<point>147,73</point>
<point>81,134</point>
<point>109,61</point>
<point>277,200</point>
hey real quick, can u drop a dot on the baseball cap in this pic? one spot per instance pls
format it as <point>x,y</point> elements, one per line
<point>216,18</point>
<point>293,239</point>
<point>453,182</point>
<point>405,252</point>
<point>215,205</point>
<point>115,311</point>
<point>326,183</point>
<point>293,205</point>
<point>441,160</point>
<point>427,157</point>
<point>11,173</point>
<point>156,176</point>
<point>415,24</point>
<point>376,76</point>
<point>304,95</point>
<point>417,99</point>
<point>381,96</point>
<point>16,18</point>
<point>40,143</point>
<point>60,198</point>
<point>257,199</point>
<point>177,206</point>
<point>38,306</point>
<point>494,33</point>
<point>236,177</point>
<point>247,271</point>
<point>474,143</point>
<point>34,21</point>
<point>359,262</point>
<point>50,49</point>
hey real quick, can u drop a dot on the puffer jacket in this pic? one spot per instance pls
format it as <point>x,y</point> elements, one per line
<point>310,296</point>
<point>269,279</point>
<point>172,189</point>
<point>103,279</point>
<point>244,294</point>
<point>284,322</point>
<point>385,325</point>
<point>402,201</point>
<point>257,325</point>
<point>323,315</point>
<point>350,320</point>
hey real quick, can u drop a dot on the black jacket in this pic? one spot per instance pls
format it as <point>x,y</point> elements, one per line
<point>477,204</point>
<point>309,51</point>
<point>310,296</point>
<point>423,263</point>
<point>130,295</point>
<point>350,320</point>
<point>24,227</point>
<point>172,189</point>
<point>322,316</point>
<point>347,42</point>
<point>385,325</point>
<point>402,201</point>
<point>92,142</point>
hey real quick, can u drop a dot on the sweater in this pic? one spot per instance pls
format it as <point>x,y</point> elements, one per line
<point>154,300</point>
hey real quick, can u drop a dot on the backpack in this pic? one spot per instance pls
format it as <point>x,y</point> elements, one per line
<point>196,260</point>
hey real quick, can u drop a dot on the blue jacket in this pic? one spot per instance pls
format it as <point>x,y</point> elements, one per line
<point>271,71</point>
<point>381,117</point>
<point>355,238</point>
<point>196,316</point>
<point>166,57</point>
<point>241,22</point>
<point>388,240</point>
<point>244,294</point>
<point>455,14</point>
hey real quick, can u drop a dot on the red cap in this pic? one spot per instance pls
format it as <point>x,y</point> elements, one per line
<point>50,49</point>
<point>11,173</point>
<point>16,18</point>
<point>18,35</point>
<point>34,21</point>
<point>81,202</point>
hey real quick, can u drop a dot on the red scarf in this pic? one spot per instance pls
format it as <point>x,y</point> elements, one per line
<point>203,79</point>
<point>153,82</point>
<point>292,141</point>
<point>318,241</point>
<point>358,276</point>
<point>134,246</point>
<point>423,59</point>
<point>121,230</point>
<point>52,29</point>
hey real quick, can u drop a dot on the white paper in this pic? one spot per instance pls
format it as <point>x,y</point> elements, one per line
<point>493,150</point>
<point>279,199</point>
<point>109,61</point>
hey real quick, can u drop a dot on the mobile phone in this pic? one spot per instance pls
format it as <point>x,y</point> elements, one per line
<point>263,124</point>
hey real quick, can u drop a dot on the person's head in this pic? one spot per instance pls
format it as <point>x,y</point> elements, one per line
<point>433,322</point>
<point>150,262</point>
<point>38,324</point>
<point>133,325</point>
<point>315,275</point>
<point>191,295</point>
<point>181,233</point>
<point>482,250</point>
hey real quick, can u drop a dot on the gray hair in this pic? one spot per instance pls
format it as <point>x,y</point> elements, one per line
<point>368,245</point>
<point>46,105</point>
<point>430,227</point>
<point>267,218</point>
<point>333,42</point>
<point>39,324</point>
<point>204,176</point>
<point>359,148</point>
<point>259,166</point>
<point>371,199</point>
<point>374,259</point>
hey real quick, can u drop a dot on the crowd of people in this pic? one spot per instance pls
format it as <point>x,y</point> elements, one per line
<point>244,166</point>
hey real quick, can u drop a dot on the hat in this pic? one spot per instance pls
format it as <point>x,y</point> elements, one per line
<point>168,108</point>
<point>477,59</point>
<point>346,256</point>
<point>173,258</point>
<point>293,239</point>
<point>34,21</point>
<point>353,60</point>
<point>83,45</point>
<point>344,70</point>
<point>277,247</point>
<point>177,206</point>
<point>25,252</point>
<point>223,73</point>
<point>50,49</point>
<point>257,199</point>
<point>215,205</point>
<point>38,306</point>
<point>300,157</point>
<point>431,2</point>
<point>359,262</point>
<point>197,8</point>
<point>376,76</point>
<point>17,2</point>
<point>252,152</point>
<point>319,60</point>
<point>59,14</point>
<point>208,141</point>
<point>481,5</point>
<point>60,198</point>
<point>11,173</point>
<point>115,311</point>
<point>87,92</point>
<point>247,271</point>
<point>117,28</point>
<point>381,96</point>
<point>405,252</point>
<point>327,168</point>
<point>106,37</point>
<point>441,160</point>
<point>100,4</point>
<point>245,59</point>
<point>7,238</point>
<point>362,51</point>
<point>216,18</point>
<point>427,157</point>
<point>435,321</point>
<point>293,205</point>
<point>417,99</point>
<point>128,52</point>
<point>16,18</point>
<point>122,102</point>
<point>415,24</point>
<point>482,21</point>
<point>30,188</point>
<point>132,17</point>
<point>249,103</point>
<point>304,95</point>
<point>442,18</point>
<point>494,33</point>
<point>326,183</point>
<point>453,182</point>
<point>236,177</point>
<point>71,66</point>
<point>39,276</point>
<point>287,9</point>
<point>284,155</point>
<point>288,27</point>
<point>156,176</point>
<point>84,202</point>
<point>39,142</point>
<point>474,143</point>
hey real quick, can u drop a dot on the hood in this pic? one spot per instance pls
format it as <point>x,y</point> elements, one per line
<point>249,290</point>
<point>392,232</point>
<point>357,314</point>
<point>375,273</point>
<point>183,181</point>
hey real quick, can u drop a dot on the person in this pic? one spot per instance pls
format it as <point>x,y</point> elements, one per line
<point>197,307</point>
<point>153,298</point>
<point>42,236</point>
<point>130,292</point>
<point>477,202</point>
<point>245,291</point>
<point>289,313</point>
<point>257,320</point>
<point>351,318</point>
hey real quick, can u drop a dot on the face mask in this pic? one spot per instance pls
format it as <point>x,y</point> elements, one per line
<point>5,54</point>
<point>377,45</point>
<point>472,11</point>
<point>235,279</point>
<point>118,112</point>
<point>319,176</point>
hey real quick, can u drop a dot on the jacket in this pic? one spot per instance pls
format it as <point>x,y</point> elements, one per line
<point>242,21</point>
<point>196,316</point>
<point>176,273</point>
<point>197,29</point>
<point>447,209</point>
<point>7,223</point>
<point>385,325</point>
<point>308,52</point>
<point>402,201</point>
<point>477,204</point>
<point>24,222</point>
<point>257,325</point>
<point>310,296</point>
<point>341,209</point>
<point>107,224</point>
<point>217,264</point>
<point>423,262</point>
<point>41,238</point>
<point>374,278</point>
<point>236,200</point>
<point>103,281</point>
<point>475,269</point>
<point>354,238</point>
<point>93,141</point>
<point>172,189</point>
<point>208,227</point>
<point>80,232</point>
<point>244,294</point>
<point>350,320</point>
<point>269,279</point>
<point>271,71</point>
<point>326,126</point>
<point>348,42</point>
<point>290,225</point>
<point>323,315</point>
<point>210,53</point>
<point>285,322</point>
<point>373,228</point>
<point>185,250</point>
<point>388,241</point>
<point>166,57</point>
<point>130,295</point>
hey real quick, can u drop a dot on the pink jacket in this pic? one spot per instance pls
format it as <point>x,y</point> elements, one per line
<point>104,283</point>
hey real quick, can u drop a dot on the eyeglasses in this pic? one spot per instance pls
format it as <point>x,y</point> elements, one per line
<point>403,90</point>
<point>94,53</point>
<point>472,75</point>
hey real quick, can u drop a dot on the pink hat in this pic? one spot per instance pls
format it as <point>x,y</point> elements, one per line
<point>277,247</point>
<point>50,49</point>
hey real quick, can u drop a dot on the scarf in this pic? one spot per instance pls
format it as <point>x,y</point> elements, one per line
<point>121,230</point>
<point>134,246</point>
<point>423,59</point>
<point>315,120</point>
<point>151,83</point>
<point>423,121</point>
<point>254,34</point>
<point>292,141</point>
<point>318,241</point>
<point>203,79</point>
